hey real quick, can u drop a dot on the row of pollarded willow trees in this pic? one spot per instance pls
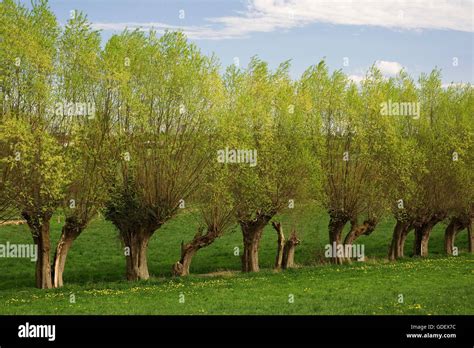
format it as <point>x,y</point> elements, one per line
<point>134,129</point>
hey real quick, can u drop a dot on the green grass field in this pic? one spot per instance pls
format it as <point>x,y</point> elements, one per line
<point>95,276</point>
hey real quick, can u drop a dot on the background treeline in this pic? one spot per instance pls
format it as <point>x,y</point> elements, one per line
<point>132,130</point>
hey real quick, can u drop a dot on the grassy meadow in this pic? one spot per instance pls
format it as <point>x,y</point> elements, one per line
<point>95,275</point>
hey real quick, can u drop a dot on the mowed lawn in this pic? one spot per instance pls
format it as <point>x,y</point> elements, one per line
<point>95,271</point>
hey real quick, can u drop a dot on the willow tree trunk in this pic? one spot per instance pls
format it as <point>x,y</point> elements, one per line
<point>40,229</point>
<point>136,246</point>
<point>39,226</point>
<point>470,235</point>
<point>397,246</point>
<point>402,242</point>
<point>450,233</point>
<point>422,237</point>
<point>289,251</point>
<point>336,225</point>
<point>252,233</point>
<point>181,268</point>
<point>252,238</point>
<point>70,231</point>
<point>358,230</point>
<point>43,264</point>
<point>280,244</point>
<point>188,250</point>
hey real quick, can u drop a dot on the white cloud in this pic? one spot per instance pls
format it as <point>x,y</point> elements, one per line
<point>192,32</point>
<point>356,78</point>
<point>455,84</point>
<point>271,15</point>
<point>388,68</point>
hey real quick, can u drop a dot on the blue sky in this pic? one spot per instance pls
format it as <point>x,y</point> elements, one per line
<point>415,34</point>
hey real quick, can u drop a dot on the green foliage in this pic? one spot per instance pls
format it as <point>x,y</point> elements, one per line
<point>164,102</point>
<point>39,173</point>
<point>27,55</point>
<point>265,116</point>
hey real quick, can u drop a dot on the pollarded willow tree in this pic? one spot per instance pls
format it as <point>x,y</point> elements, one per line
<point>39,170</point>
<point>216,215</point>
<point>437,147</point>
<point>216,207</point>
<point>85,126</point>
<point>355,146</point>
<point>266,148</point>
<point>459,125</point>
<point>56,139</point>
<point>407,165</point>
<point>436,175</point>
<point>376,147</point>
<point>162,95</point>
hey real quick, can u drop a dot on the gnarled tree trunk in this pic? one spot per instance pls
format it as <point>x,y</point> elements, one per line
<point>420,246</point>
<point>422,234</point>
<point>40,229</point>
<point>400,233</point>
<point>289,251</point>
<point>453,228</point>
<point>181,268</point>
<point>336,225</point>
<point>188,250</point>
<point>136,246</point>
<point>358,230</point>
<point>252,233</point>
<point>403,238</point>
<point>470,235</point>
<point>70,231</point>
<point>281,244</point>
